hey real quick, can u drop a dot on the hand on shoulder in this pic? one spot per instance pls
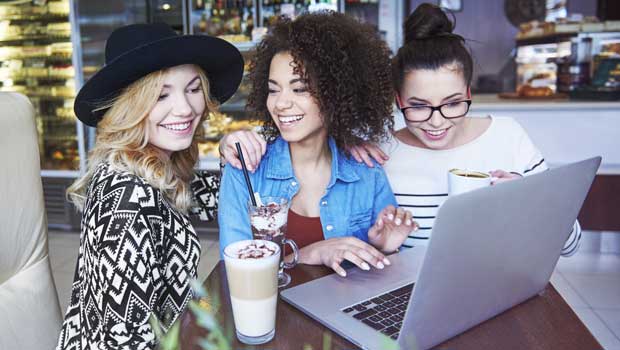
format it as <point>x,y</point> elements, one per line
<point>252,144</point>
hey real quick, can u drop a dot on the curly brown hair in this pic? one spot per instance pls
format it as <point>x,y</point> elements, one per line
<point>347,67</point>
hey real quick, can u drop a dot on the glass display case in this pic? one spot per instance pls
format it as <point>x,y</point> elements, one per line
<point>96,21</point>
<point>270,10</point>
<point>562,62</point>
<point>366,11</point>
<point>38,59</point>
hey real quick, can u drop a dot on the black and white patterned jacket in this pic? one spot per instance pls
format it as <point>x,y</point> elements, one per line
<point>137,257</point>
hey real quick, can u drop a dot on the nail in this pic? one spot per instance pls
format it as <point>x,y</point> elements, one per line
<point>398,221</point>
<point>365,266</point>
<point>408,222</point>
<point>386,261</point>
<point>391,217</point>
<point>343,273</point>
<point>380,265</point>
<point>380,222</point>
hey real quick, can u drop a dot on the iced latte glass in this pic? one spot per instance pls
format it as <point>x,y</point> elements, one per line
<point>269,223</point>
<point>252,273</point>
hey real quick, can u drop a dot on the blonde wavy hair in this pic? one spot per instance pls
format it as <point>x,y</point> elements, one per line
<point>123,141</point>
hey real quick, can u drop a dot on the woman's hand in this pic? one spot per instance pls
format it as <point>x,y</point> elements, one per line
<point>503,176</point>
<point>391,229</point>
<point>332,252</point>
<point>253,147</point>
<point>366,152</point>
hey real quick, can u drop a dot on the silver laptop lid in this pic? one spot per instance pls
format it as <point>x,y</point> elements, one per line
<point>492,249</point>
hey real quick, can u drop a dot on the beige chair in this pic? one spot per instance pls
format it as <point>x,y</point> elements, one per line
<point>30,317</point>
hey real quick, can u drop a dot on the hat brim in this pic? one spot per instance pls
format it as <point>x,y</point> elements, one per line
<point>221,61</point>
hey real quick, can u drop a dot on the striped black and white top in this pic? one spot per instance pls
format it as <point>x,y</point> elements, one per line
<point>419,176</point>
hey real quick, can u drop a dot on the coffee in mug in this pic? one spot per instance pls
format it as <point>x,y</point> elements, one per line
<point>252,273</point>
<point>461,181</point>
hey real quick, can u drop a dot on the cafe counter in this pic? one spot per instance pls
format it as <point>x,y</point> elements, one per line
<point>567,131</point>
<point>564,131</point>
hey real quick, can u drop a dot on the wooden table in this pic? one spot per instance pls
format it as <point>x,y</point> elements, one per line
<point>543,322</point>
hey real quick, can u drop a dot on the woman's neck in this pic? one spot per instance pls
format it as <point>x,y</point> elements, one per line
<point>310,154</point>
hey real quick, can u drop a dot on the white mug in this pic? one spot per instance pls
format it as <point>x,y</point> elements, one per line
<point>461,181</point>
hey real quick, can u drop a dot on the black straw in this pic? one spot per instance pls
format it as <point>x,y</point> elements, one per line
<point>245,173</point>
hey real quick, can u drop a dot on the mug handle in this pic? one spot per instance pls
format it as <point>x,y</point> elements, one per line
<point>293,245</point>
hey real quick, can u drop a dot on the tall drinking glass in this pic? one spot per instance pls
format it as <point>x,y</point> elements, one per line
<point>251,271</point>
<point>269,223</point>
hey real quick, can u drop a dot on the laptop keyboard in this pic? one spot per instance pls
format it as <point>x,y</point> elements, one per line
<point>385,312</point>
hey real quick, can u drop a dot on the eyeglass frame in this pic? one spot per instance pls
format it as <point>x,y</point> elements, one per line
<point>433,109</point>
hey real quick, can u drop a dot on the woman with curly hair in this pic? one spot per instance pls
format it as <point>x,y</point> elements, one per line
<point>432,75</point>
<point>138,249</point>
<point>320,83</point>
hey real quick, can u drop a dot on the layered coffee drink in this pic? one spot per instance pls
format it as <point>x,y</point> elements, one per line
<point>268,222</point>
<point>252,273</point>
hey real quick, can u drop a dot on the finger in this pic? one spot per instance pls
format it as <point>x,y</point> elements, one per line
<point>359,262</point>
<point>499,173</point>
<point>377,154</point>
<point>261,141</point>
<point>232,158</point>
<point>399,216</point>
<point>248,150</point>
<point>338,269</point>
<point>366,158</point>
<point>225,149</point>
<point>379,223</point>
<point>248,157</point>
<point>384,155</point>
<point>359,244</point>
<point>368,256</point>
<point>408,218</point>
<point>355,154</point>
<point>388,213</point>
<point>256,148</point>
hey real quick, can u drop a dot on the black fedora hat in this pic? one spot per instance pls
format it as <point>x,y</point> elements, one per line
<point>136,50</point>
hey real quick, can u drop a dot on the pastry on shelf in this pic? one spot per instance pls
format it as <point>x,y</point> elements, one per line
<point>531,91</point>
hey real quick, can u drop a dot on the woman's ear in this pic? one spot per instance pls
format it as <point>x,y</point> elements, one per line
<point>398,103</point>
<point>469,92</point>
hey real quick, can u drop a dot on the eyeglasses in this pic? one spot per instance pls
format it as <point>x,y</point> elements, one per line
<point>450,110</point>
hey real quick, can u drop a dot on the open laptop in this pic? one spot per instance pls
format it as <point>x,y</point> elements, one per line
<point>491,249</point>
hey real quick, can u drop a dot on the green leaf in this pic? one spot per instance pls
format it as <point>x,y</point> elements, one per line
<point>327,341</point>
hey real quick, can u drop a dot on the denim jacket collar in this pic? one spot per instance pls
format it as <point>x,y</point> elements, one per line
<point>279,165</point>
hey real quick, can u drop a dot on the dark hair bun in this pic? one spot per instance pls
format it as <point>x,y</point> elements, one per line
<point>425,22</point>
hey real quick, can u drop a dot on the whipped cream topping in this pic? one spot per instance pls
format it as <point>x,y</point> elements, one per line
<point>269,217</point>
<point>255,250</point>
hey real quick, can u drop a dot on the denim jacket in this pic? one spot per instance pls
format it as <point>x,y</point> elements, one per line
<point>355,195</point>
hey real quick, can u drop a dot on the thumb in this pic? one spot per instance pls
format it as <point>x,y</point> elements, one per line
<point>378,226</point>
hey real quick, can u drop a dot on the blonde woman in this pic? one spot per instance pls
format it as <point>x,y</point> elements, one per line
<point>138,249</point>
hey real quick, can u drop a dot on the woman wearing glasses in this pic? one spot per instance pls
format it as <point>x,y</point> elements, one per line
<point>432,75</point>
